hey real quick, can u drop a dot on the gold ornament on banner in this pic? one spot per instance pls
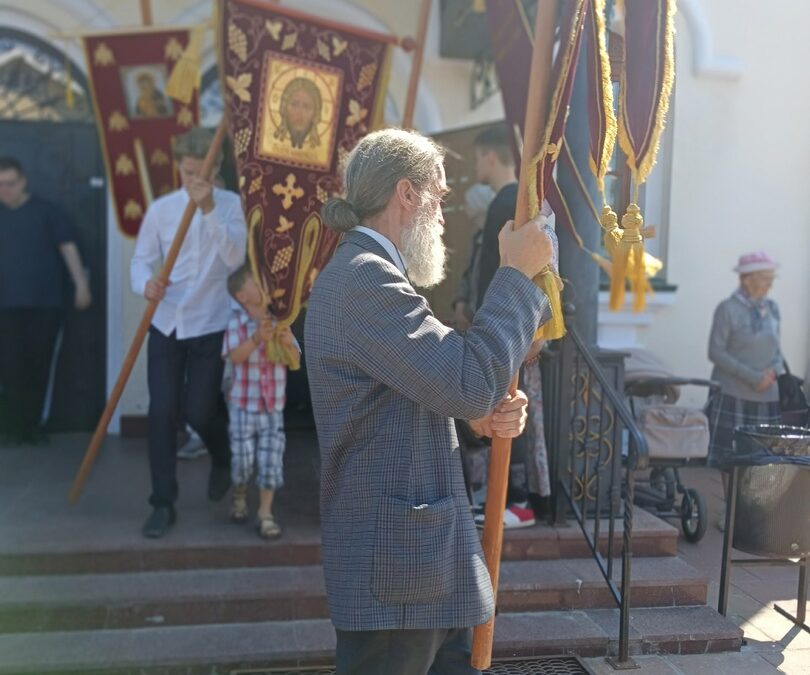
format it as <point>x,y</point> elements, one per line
<point>274,29</point>
<point>117,122</point>
<point>239,86</point>
<point>124,166</point>
<point>133,210</point>
<point>237,42</point>
<point>288,191</point>
<point>173,49</point>
<point>159,158</point>
<point>103,56</point>
<point>184,117</point>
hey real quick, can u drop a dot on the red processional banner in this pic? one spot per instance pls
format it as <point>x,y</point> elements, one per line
<point>136,119</point>
<point>300,92</point>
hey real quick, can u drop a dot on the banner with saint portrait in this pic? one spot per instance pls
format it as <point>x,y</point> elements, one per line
<point>136,119</point>
<point>300,92</point>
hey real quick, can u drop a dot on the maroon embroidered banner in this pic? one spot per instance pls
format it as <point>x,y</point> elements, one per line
<point>649,73</point>
<point>136,119</point>
<point>300,93</point>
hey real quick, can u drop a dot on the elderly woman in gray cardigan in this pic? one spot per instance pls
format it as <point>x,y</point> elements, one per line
<point>744,348</point>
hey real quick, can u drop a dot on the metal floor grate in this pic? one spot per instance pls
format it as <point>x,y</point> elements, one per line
<point>539,665</point>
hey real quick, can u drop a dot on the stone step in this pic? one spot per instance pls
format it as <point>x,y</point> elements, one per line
<point>225,546</point>
<point>142,599</point>
<point>211,649</point>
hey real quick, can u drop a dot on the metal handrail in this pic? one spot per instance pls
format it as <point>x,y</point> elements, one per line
<point>575,379</point>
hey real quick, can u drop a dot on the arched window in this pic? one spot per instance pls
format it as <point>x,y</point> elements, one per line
<point>34,80</point>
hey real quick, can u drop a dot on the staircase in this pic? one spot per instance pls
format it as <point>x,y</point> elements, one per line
<point>207,608</point>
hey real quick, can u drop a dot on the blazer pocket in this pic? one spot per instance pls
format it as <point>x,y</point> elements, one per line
<point>414,552</point>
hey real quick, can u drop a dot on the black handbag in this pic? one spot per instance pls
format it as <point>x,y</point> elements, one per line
<point>792,399</point>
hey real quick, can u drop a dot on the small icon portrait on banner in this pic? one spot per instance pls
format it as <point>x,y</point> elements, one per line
<point>144,88</point>
<point>300,106</point>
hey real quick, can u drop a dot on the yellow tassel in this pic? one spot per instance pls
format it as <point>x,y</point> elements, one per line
<point>70,99</point>
<point>279,352</point>
<point>550,283</point>
<point>628,262</point>
<point>185,77</point>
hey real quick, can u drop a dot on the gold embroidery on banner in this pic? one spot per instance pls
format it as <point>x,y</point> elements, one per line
<point>241,140</point>
<point>289,41</point>
<point>366,77</point>
<point>184,117</point>
<point>356,113</point>
<point>173,49</point>
<point>255,185</point>
<point>124,166</point>
<point>278,293</point>
<point>282,259</point>
<point>321,194</point>
<point>239,86</point>
<point>133,210</point>
<point>117,121</point>
<point>103,56</point>
<point>241,180</point>
<point>338,45</point>
<point>159,158</point>
<point>284,225</point>
<point>323,50</point>
<point>237,42</point>
<point>288,191</point>
<point>274,28</point>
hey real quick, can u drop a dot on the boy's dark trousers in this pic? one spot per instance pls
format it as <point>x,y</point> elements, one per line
<point>184,376</point>
<point>27,339</point>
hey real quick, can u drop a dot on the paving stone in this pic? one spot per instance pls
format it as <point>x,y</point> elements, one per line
<point>722,664</point>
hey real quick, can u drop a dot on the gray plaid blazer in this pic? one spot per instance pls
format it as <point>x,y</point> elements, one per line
<point>400,549</point>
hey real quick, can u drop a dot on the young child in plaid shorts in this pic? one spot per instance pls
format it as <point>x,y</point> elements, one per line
<point>255,402</point>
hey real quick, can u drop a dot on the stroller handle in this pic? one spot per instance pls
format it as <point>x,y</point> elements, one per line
<point>674,382</point>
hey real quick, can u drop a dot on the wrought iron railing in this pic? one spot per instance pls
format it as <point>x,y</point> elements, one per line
<point>594,446</point>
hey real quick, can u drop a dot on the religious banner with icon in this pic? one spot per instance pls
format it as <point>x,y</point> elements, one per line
<point>300,92</point>
<point>136,118</point>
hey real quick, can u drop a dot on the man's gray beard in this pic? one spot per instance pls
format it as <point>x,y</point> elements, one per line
<point>423,250</point>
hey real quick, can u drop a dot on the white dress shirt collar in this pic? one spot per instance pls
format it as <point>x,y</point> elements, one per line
<point>387,244</point>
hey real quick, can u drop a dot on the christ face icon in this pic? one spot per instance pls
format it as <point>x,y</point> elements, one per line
<point>301,107</point>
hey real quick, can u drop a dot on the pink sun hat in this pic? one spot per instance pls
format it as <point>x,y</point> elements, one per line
<point>759,261</point>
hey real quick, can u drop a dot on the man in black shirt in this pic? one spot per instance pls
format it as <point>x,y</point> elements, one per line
<point>495,166</point>
<point>36,244</point>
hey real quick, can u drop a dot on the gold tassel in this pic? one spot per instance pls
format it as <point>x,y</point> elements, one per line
<point>628,262</point>
<point>550,283</point>
<point>279,352</point>
<point>185,77</point>
<point>70,99</point>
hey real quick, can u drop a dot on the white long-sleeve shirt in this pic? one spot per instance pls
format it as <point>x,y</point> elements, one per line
<point>196,301</point>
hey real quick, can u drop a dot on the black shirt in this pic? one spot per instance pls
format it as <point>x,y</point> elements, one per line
<point>32,272</point>
<point>500,210</point>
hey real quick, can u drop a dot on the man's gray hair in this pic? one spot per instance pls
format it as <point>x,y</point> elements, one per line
<point>374,168</point>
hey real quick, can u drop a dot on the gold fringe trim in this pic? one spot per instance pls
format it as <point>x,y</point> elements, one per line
<point>550,283</point>
<point>279,352</point>
<point>641,167</point>
<point>609,116</point>
<point>378,113</point>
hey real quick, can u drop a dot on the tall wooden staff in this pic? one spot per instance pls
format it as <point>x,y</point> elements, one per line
<point>143,326</point>
<point>416,65</point>
<point>536,114</point>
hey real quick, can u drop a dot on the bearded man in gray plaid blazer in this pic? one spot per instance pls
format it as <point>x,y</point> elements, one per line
<point>405,574</point>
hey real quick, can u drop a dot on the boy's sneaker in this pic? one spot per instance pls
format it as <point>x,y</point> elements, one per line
<point>519,514</point>
<point>193,448</point>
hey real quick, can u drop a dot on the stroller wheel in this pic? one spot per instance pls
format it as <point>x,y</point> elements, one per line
<point>694,515</point>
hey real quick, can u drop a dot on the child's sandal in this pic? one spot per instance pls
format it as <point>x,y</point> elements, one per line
<point>268,528</point>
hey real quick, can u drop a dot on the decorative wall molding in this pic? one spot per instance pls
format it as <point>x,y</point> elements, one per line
<point>705,62</point>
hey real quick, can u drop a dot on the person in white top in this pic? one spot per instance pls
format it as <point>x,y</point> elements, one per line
<point>184,367</point>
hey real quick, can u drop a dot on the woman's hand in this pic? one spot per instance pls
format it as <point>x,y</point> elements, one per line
<point>767,381</point>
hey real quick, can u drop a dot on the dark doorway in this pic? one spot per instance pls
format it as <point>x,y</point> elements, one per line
<point>63,163</point>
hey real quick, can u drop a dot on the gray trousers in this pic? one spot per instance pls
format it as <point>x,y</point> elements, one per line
<point>405,652</point>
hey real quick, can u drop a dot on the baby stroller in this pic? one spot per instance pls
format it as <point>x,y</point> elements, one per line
<point>676,436</point>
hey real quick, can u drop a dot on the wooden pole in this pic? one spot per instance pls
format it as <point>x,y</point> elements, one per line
<point>416,65</point>
<point>143,327</point>
<point>146,12</point>
<point>536,115</point>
